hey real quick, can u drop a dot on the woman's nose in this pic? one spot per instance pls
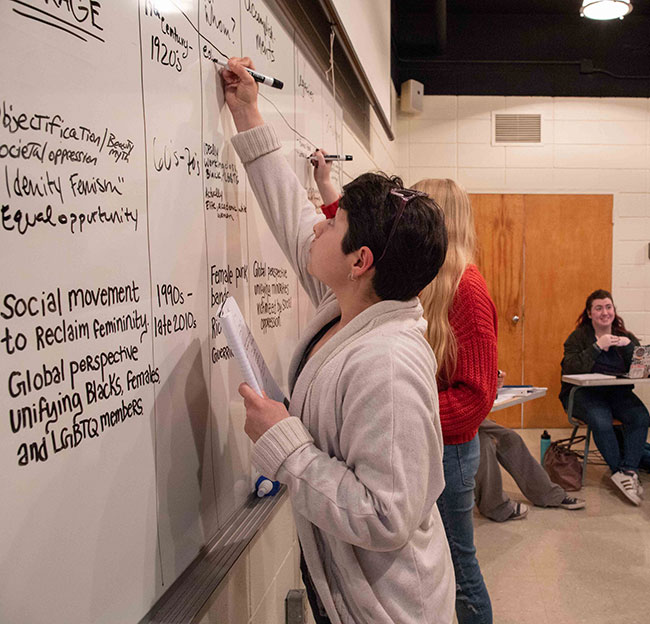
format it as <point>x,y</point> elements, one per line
<point>318,227</point>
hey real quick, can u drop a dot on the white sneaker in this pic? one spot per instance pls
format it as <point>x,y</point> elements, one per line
<point>637,482</point>
<point>625,483</point>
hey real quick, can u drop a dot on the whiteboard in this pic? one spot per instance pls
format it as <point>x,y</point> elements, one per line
<point>126,219</point>
<point>367,25</point>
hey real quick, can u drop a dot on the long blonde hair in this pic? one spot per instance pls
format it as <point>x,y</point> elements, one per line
<point>438,295</point>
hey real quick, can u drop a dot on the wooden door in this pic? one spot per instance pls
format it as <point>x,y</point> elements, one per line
<point>568,254</point>
<point>541,256</point>
<point>499,221</point>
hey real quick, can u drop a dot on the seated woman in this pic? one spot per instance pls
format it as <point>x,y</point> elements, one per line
<point>501,446</point>
<point>601,344</point>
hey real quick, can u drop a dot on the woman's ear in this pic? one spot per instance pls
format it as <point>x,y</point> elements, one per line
<point>364,261</point>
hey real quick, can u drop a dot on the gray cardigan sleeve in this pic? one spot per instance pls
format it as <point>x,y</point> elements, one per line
<point>283,201</point>
<point>390,472</point>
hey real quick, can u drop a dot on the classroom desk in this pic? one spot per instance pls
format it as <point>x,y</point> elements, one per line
<point>591,380</point>
<point>594,379</point>
<point>504,399</point>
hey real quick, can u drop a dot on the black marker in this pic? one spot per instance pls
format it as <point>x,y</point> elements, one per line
<point>330,157</point>
<point>267,80</point>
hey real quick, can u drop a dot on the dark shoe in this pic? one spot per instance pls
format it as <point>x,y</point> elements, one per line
<point>572,503</point>
<point>519,512</point>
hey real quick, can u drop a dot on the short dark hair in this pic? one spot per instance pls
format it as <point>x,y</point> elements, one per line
<point>618,326</point>
<point>418,247</point>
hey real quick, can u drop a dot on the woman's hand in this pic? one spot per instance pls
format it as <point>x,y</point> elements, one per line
<point>501,377</point>
<point>261,412</point>
<point>621,341</point>
<point>610,340</point>
<point>322,172</point>
<point>241,94</point>
<point>322,168</point>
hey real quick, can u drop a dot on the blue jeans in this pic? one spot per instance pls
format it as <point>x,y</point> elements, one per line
<point>460,463</point>
<point>598,406</point>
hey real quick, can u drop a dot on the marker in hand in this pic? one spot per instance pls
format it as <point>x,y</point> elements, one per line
<point>331,157</point>
<point>267,80</point>
<point>338,157</point>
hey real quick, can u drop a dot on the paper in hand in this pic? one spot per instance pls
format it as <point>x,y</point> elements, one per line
<point>240,339</point>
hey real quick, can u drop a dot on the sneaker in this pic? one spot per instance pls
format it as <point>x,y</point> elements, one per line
<point>625,483</point>
<point>519,512</point>
<point>637,482</point>
<point>570,502</point>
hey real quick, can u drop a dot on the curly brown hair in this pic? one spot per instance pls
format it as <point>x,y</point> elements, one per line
<point>618,326</point>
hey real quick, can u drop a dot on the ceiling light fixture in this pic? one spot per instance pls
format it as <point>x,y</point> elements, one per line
<point>605,9</point>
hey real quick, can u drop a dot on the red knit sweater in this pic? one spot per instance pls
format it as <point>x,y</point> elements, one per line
<point>466,401</point>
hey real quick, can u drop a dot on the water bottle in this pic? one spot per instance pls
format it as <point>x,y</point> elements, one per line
<point>544,443</point>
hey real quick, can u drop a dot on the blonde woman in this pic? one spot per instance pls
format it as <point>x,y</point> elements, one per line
<point>462,331</point>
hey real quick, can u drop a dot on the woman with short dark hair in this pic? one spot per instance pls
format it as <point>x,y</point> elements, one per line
<point>601,344</point>
<point>360,448</point>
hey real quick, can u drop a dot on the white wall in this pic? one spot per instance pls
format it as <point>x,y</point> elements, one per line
<point>590,145</point>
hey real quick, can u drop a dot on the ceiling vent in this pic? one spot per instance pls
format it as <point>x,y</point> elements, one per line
<point>510,129</point>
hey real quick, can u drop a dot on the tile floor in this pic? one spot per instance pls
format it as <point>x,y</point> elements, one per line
<point>567,567</point>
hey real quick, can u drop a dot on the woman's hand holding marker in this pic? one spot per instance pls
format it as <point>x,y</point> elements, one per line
<point>322,172</point>
<point>240,91</point>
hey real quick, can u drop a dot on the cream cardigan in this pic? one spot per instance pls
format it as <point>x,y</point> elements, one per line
<point>361,454</point>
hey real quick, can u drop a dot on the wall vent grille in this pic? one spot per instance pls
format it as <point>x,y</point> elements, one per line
<point>517,129</point>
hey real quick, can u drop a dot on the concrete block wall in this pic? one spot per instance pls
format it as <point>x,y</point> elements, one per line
<point>255,589</point>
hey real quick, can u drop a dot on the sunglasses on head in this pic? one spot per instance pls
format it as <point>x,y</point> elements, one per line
<point>405,195</point>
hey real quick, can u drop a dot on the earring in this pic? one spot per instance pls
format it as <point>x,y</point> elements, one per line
<point>351,277</point>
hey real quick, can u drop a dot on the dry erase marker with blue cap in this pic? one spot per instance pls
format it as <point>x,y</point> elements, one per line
<point>267,80</point>
<point>266,487</point>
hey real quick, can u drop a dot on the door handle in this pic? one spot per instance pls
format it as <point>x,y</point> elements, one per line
<point>515,319</point>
